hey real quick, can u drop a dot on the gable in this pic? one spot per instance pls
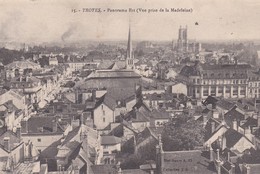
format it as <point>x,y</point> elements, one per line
<point>243,144</point>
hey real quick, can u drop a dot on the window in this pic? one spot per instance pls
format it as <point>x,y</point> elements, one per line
<point>227,74</point>
<point>205,92</point>
<point>220,90</point>
<point>242,91</point>
<point>104,119</point>
<point>39,140</point>
<point>235,91</point>
<point>213,91</point>
<point>228,90</point>
<point>104,112</point>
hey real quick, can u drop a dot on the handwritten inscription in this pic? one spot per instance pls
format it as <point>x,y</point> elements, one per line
<point>178,160</point>
<point>178,165</point>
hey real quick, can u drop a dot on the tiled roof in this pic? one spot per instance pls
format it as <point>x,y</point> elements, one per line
<point>2,91</point>
<point>104,169</point>
<point>134,171</point>
<point>233,114</point>
<point>226,66</point>
<point>41,125</point>
<point>210,100</point>
<point>74,135</point>
<point>142,136</point>
<point>137,116</point>
<point>232,137</point>
<point>114,95</point>
<point>13,140</point>
<point>122,82</point>
<point>225,104</point>
<point>110,140</point>
<point>160,114</point>
<point>10,106</point>
<point>105,64</point>
<point>208,127</point>
<point>190,71</point>
<point>252,122</point>
<point>114,74</point>
<point>24,64</point>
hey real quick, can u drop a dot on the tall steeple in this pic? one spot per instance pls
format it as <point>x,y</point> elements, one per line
<point>129,51</point>
<point>129,44</point>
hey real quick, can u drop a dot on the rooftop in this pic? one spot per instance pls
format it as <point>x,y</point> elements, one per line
<point>110,140</point>
<point>14,141</point>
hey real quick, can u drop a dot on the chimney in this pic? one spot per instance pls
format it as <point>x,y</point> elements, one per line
<point>119,169</point>
<point>218,154</point>
<point>234,124</point>
<point>76,96</point>
<point>211,153</point>
<point>18,132</point>
<point>215,114</point>
<point>247,169</point>
<point>94,95</point>
<point>7,144</point>
<point>258,119</point>
<point>218,163</point>
<point>82,119</point>
<point>24,124</point>
<point>232,170</point>
<point>205,119</point>
<point>213,126</point>
<point>54,126</point>
<point>76,170</point>
<point>228,156</point>
<point>247,131</point>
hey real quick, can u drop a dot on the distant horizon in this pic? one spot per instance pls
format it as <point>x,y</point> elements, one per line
<point>209,41</point>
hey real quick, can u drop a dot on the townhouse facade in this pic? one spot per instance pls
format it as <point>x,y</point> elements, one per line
<point>227,81</point>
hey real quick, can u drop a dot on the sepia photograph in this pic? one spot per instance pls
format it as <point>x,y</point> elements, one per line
<point>129,87</point>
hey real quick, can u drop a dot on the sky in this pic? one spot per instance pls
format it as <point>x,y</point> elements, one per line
<point>54,21</point>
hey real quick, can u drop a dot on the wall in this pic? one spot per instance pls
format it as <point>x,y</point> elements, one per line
<point>103,115</point>
<point>179,89</point>
<point>110,148</point>
<point>243,144</point>
<point>45,140</point>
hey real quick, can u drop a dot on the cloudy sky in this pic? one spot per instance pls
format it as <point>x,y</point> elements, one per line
<point>53,20</point>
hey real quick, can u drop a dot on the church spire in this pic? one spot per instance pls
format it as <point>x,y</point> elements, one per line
<point>129,43</point>
<point>129,51</point>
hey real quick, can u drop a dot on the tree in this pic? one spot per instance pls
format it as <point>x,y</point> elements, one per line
<point>182,133</point>
<point>144,154</point>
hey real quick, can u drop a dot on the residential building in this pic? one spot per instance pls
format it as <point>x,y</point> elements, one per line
<point>227,81</point>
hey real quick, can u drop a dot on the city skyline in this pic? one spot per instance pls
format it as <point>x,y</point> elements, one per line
<point>38,21</point>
